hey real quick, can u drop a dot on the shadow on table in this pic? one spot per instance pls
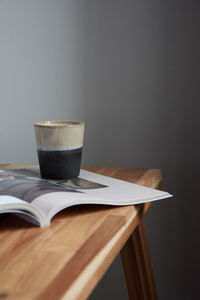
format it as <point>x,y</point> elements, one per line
<point>9,221</point>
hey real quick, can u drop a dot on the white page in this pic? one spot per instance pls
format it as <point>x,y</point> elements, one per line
<point>117,192</point>
<point>4,199</point>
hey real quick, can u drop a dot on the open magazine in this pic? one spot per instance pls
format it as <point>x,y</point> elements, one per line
<point>24,193</point>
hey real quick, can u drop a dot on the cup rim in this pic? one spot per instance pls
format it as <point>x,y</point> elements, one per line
<point>52,123</point>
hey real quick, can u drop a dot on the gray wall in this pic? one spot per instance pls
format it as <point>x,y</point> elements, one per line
<point>130,69</point>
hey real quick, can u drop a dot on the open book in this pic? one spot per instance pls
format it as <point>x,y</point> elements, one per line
<point>24,193</point>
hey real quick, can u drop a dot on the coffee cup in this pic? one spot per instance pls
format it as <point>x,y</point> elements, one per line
<point>59,148</point>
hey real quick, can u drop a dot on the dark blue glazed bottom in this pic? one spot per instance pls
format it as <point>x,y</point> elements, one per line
<point>62,164</point>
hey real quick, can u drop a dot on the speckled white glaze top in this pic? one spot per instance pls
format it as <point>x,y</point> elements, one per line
<point>59,134</point>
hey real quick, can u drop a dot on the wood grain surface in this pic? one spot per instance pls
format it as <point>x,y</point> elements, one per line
<point>67,259</point>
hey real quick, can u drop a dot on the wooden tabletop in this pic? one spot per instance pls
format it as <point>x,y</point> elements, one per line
<point>67,259</point>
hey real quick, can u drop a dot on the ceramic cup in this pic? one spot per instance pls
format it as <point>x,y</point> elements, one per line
<point>59,148</point>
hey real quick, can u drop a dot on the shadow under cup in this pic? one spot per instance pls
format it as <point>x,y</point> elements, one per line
<point>59,148</point>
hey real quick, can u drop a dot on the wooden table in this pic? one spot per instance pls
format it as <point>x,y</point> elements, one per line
<point>67,259</point>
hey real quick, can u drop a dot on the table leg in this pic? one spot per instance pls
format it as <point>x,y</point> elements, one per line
<point>137,266</point>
